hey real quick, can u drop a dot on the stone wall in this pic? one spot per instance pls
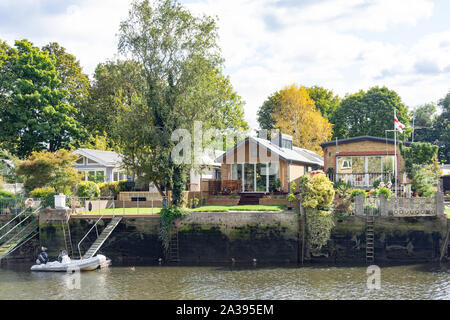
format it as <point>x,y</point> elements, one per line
<point>274,238</point>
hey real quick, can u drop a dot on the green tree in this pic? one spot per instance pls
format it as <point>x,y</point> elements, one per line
<point>418,153</point>
<point>441,129</point>
<point>266,112</point>
<point>370,113</point>
<point>424,120</point>
<point>72,78</point>
<point>114,86</point>
<point>50,169</point>
<point>326,101</point>
<point>33,110</point>
<point>181,65</point>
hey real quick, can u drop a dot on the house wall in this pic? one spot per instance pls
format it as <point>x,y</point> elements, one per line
<point>362,148</point>
<point>288,171</point>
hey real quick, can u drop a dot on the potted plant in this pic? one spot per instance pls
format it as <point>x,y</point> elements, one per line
<point>195,202</point>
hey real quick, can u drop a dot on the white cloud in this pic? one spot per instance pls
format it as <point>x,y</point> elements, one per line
<point>268,44</point>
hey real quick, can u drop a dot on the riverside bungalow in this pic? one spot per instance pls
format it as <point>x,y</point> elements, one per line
<point>361,161</point>
<point>257,165</point>
<point>100,166</point>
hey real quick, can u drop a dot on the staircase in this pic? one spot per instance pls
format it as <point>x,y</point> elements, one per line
<point>67,238</point>
<point>25,228</point>
<point>370,238</point>
<point>174,255</point>
<point>250,198</point>
<point>102,238</point>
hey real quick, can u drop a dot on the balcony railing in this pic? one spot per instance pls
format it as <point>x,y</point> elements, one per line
<point>362,179</point>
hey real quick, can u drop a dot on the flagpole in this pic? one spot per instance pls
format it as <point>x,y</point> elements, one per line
<point>395,153</point>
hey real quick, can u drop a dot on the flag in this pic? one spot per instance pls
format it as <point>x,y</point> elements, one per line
<point>398,125</point>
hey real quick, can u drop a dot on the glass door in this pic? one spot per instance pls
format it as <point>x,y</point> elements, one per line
<point>261,178</point>
<point>249,177</point>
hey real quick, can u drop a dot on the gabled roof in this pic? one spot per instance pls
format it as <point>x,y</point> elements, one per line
<point>106,158</point>
<point>295,155</point>
<point>361,138</point>
<point>210,159</point>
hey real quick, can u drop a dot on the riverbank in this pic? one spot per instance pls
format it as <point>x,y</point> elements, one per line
<point>243,237</point>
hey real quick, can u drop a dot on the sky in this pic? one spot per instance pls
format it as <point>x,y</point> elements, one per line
<point>342,45</point>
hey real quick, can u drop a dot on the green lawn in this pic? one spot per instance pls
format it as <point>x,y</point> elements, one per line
<point>238,208</point>
<point>148,211</point>
<point>123,211</point>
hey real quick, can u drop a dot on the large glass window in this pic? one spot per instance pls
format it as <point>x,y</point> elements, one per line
<point>274,177</point>
<point>374,164</point>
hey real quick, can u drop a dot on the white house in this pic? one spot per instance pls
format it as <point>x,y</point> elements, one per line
<point>100,166</point>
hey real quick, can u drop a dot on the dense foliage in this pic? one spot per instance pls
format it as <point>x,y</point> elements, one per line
<point>370,114</point>
<point>167,216</point>
<point>88,189</point>
<point>179,59</point>
<point>33,102</point>
<point>51,169</point>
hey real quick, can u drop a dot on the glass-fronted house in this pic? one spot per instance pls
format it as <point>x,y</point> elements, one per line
<point>362,161</point>
<point>260,165</point>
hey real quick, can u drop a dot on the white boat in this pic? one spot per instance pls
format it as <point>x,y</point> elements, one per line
<point>68,265</point>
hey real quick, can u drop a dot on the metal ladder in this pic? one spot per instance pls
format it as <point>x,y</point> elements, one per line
<point>67,238</point>
<point>370,237</point>
<point>174,255</point>
<point>445,246</point>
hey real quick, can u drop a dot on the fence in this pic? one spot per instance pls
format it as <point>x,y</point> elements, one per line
<point>107,205</point>
<point>400,206</point>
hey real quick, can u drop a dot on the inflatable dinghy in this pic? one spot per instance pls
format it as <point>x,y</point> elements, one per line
<point>69,265</point>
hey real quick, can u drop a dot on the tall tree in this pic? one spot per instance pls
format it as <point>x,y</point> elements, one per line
<point>424,119</point>
<point>326,101</point>
<point>72,78</point>
<point>34,114</point>
<point>298,116</point>
<point>441,129</point>
<point>181,65</point>
<point>266,112</point>
<point>370,113</point>
<point>114,86</point>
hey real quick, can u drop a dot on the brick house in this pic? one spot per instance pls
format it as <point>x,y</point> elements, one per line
<point>361,161</point>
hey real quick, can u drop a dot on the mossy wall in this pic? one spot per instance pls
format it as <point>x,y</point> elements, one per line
<point>268,237</point>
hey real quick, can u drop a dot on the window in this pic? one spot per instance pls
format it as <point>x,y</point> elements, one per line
<point>287,144</point>
<point>80,160</point>
<point>91,161</point>
<point>346,164</point>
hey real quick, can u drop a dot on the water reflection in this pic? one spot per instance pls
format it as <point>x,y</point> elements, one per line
<point>192,282</point>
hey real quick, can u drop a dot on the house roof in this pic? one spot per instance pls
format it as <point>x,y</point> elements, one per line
<point>106,158</point>
<point>208,159</point>
<point>296,155</point>
<point>361,138</point>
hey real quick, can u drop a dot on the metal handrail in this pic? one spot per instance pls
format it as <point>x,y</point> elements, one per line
<point>22,212</point>
<point>21,222</point>
<point>94,226</point>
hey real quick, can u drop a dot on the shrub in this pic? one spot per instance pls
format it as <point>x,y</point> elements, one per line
<point>423,181</point>
<point>109,189</point>
<point>42,192</point>
<point>317,192</point>
<point>357,192</point>
<point>88,189</point>
<point>6,194</point>
<point>385,191</point>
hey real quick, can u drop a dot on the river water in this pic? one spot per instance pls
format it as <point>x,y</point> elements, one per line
<point>224,282</point>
